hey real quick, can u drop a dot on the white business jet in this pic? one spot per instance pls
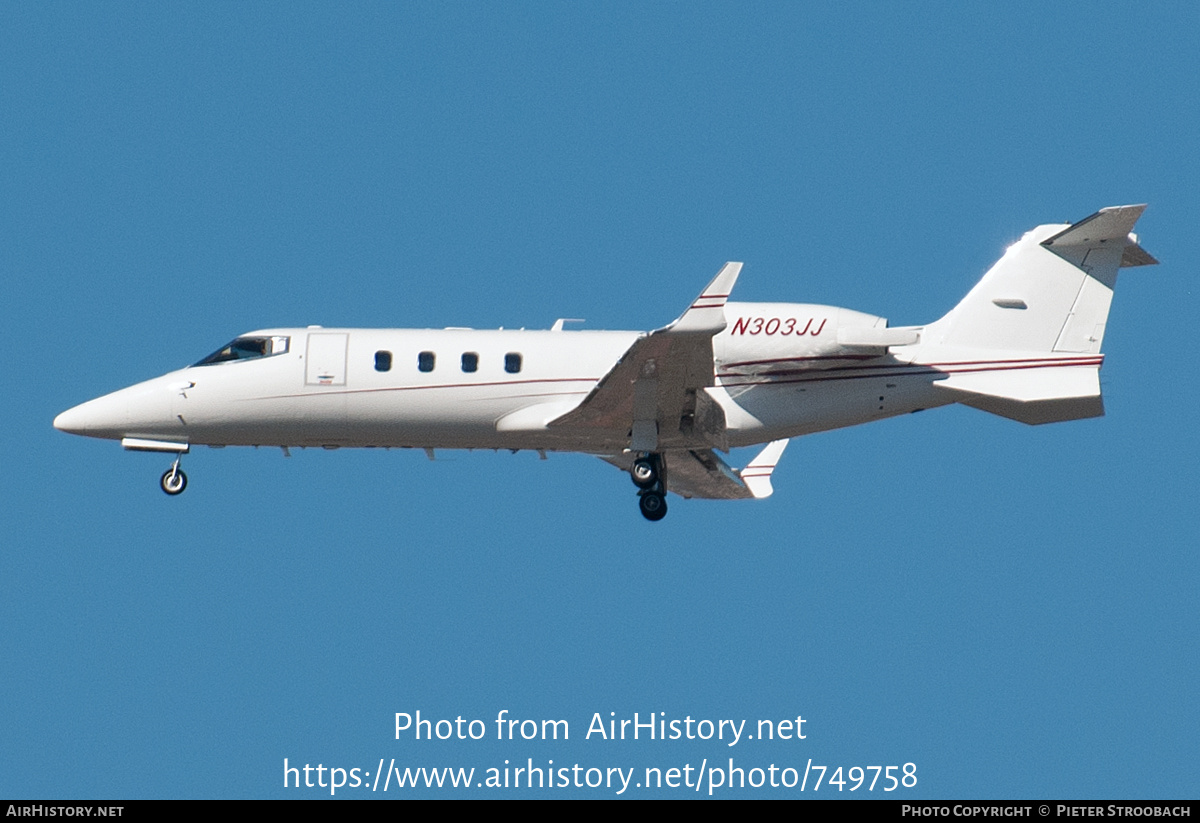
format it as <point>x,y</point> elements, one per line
<point>1024,344</point>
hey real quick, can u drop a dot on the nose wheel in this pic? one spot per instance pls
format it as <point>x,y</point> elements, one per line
<point>173,481</point>
<point>648,475</point>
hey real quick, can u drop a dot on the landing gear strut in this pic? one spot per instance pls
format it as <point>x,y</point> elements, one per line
<point>173,481</point>
<point>648,475</point>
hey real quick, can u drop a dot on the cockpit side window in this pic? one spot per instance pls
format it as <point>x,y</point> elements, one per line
<point>248,348</point>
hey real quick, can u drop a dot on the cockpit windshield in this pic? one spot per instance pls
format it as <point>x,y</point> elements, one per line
<point>247,348</point>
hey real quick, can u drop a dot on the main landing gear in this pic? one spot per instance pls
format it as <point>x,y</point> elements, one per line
<point>648,475</point>
<point>173,481</point>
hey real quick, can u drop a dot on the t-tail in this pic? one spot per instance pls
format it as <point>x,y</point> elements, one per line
<point>1025,342</point>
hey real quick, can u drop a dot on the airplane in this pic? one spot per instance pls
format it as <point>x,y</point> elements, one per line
<point>1023,344</point>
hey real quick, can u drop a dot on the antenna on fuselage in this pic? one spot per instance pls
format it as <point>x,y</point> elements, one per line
<point>558,324</point>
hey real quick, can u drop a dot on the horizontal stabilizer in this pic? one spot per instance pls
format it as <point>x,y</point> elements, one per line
<point>1111,227</point>
<point>1106,225</point>
<point>1135,255</point>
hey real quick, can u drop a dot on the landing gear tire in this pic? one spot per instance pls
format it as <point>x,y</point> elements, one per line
<point>644,472</point>
<point>173,481</point>
<point>653,505</point>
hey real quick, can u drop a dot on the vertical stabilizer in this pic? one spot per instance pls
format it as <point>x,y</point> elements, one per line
<point>1051,291</point>
<point>1025,342</point>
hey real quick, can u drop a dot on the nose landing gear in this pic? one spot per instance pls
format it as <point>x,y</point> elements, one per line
<point>173,481</point>
<point>648,475</point>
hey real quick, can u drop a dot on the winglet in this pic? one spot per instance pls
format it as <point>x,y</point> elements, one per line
<point>757,475</point>
<point>707,312</point>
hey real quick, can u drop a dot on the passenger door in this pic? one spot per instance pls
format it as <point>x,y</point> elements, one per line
<point>326,359</point>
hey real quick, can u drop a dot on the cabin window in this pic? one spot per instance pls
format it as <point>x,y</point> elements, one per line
<point>248,348</point>
<point>425,361</point>
<point>512,362</point>
<point>470,361</point>
<point>383,361</point>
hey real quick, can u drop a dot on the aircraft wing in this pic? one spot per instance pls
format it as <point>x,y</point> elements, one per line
<point>655,391</point>
<point>701,473</point>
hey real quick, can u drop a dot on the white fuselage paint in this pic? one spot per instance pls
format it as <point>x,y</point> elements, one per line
<point>1023,344</point>
<point>779,373</point>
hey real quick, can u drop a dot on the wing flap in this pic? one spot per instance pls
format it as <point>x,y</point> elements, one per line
<point>702,473</point>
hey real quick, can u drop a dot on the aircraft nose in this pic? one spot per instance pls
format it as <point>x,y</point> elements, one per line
<point>103,417</point>
<point>70,421</point>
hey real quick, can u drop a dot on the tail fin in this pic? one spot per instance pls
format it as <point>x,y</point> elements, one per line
<point>1044,305</point>
<point>1052,289</point>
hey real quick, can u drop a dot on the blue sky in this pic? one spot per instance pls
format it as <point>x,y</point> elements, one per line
<point>1012,609</point>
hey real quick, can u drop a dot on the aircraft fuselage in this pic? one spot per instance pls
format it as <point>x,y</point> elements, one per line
<point>779,373</point>
<point>1023,344</point>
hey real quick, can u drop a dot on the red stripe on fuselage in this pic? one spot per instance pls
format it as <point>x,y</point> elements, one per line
<point>591,381</point>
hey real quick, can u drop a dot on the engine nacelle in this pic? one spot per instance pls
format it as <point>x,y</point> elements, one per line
<point>762,338</point>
